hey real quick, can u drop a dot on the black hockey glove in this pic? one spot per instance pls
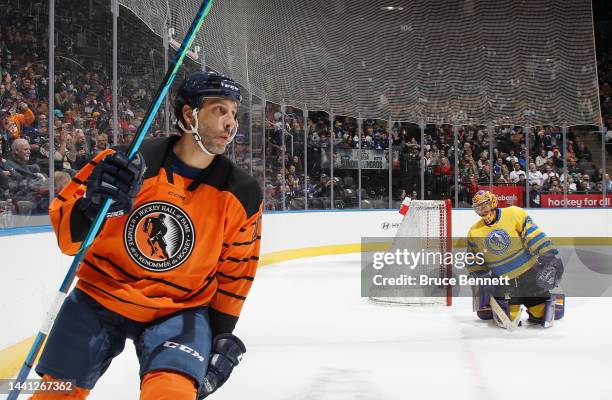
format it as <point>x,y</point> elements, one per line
<point>548,271</point>
<point>116,178</point>
<point>227,351</point>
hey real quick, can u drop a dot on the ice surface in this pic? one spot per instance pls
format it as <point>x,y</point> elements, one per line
<point>310,336</point>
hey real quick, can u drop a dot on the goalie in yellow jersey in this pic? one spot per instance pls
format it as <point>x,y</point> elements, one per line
<point>513,246</point>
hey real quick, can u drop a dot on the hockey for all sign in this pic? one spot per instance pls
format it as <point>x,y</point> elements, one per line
<point>590,200</point>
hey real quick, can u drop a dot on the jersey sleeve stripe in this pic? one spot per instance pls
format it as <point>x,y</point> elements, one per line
<point>543,245</point>
<point>235,278</point>
<point>77,180</point>
<point>243,243</point>
<point>512,265</point>
<point>239,260</point>
<point>534,240</point>
<point>209,279</point>
<point>230,294</point>
<point>531,229</point>
<point>525,222</point>
<point>61,198</point>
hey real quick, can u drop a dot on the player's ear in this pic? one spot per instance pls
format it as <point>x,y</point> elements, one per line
<point>188,116</point>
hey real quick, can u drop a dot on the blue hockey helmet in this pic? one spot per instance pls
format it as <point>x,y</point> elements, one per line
<point>200,85</point>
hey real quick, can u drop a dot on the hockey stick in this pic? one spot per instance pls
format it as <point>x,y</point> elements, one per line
<point>162,90</point>
<point>506,323</point>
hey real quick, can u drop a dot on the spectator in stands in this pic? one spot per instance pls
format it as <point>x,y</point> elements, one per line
<point>485,175</point>
<point>550,173</point>
<point>484,159</point>
<point>535,177</point>
<point>19,160</point>
<point>4,142</point>
<point>516,174</point>
<point>586,185</point>
<point>554,186</point>
<point>61,179</point>
<point>436,154</point>
<point>557,157</point>
<point>428,159</point>
<point>607,183</point>
<point>13,124</point>
<point>540,161</point>
<point>571,185</point>
<point>65,152</point>
<point>497,168</point>
<point>83,155</point>
<point>573,167</point>
<point>271,196</point>
<point>571,153</point>
<point>323,188</point>
<point>583,152</point>
<point>512,158</point>
<point>101,143</point>
<point>505,176</point>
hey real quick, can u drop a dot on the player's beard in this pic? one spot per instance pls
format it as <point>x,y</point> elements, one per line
<point>212,142</point>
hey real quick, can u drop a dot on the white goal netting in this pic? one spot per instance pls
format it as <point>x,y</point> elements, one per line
<point>425,229</point>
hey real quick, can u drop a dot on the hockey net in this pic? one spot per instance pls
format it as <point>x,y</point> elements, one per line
<point>426,227</point>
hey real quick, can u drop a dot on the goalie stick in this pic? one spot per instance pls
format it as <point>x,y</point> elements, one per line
<point>502,317</point>
<point>162,91</point>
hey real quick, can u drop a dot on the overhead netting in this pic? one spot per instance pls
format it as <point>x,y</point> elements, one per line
<point>450,61</point>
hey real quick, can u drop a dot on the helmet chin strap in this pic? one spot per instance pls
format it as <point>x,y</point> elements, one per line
<point>196,135</point>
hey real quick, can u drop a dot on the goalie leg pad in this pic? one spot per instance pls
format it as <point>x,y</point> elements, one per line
<point>480,300</point>
<point>543,313</point>
<point>559,305</point>
<point>514,311</point>
<point>503,303</point>
<point>485,313</point>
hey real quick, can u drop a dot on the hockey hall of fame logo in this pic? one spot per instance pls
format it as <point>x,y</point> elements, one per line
<point>497,241</point>
<point>159,236</point>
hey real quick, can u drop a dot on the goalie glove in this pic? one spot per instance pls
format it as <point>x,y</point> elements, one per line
<point>227,351</point>
<point>117,178</point>
<point>548,271</point>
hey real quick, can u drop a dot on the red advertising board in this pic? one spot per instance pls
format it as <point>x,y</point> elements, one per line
<point>575,200</point>
<point>507,195</point>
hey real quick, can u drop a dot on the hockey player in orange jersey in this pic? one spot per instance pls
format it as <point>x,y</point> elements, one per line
<point>174,261</point>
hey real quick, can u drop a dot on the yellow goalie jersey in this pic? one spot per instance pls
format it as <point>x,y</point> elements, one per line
<point>510,245</point>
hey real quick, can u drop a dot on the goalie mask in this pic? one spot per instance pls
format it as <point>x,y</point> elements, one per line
<point>194,91</point>
<point>485,205</point>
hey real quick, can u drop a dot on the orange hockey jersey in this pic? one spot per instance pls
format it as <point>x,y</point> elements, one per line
<point>186,243</point>
<point>17,121</point>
